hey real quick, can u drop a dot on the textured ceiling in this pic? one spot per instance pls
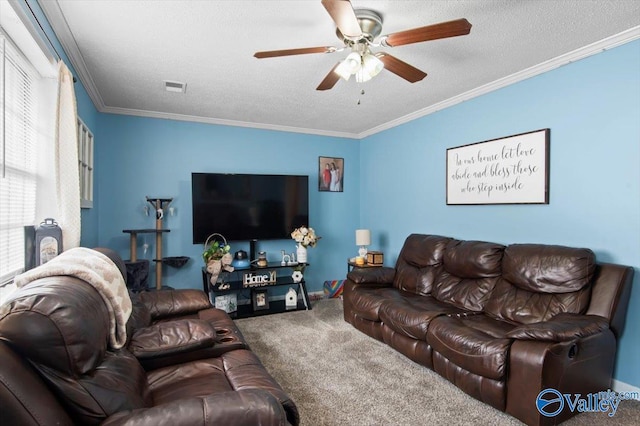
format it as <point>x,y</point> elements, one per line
<point>123,50</point>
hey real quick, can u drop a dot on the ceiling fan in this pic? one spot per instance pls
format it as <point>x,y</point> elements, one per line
<point>358,29</point>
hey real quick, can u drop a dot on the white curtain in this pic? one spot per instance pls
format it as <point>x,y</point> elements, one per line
<point>66,160</point>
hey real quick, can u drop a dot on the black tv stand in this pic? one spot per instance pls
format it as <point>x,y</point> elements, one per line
<point>275,306</point>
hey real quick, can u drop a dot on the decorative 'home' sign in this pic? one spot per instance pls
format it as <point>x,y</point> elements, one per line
<point>254,279</point>
<point>510,170</point>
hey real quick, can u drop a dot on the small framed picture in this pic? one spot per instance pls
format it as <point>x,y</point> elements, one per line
<point>260,300</point>
<point>330,174</point>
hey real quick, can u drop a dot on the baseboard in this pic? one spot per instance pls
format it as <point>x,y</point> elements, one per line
<point>316,295</point>
<point>619,386</point>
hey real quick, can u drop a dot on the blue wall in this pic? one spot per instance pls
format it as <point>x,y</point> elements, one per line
<point>145,156</point>
<point>593,110</point>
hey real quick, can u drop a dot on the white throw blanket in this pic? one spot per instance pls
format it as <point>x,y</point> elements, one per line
<point>98,270</point>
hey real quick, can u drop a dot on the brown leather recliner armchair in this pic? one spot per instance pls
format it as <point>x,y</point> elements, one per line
<point>57,368</point>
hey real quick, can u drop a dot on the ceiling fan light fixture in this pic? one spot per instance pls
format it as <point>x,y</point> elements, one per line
<point>343,70</point>
<point>353,62</point>
<point>372,65</point>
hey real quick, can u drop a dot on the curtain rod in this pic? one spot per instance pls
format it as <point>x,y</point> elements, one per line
<point>75,80</point>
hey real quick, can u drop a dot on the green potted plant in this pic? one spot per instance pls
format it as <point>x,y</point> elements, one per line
<point>217,257</point>
<point>215,251</point>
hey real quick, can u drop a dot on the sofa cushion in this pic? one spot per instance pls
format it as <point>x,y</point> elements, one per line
<point>510,303</point>
<point>473,259</point>
<point>118,384</point>
<point>476,343</point>
<point>547,268</point>
<point>471,270</point>
<point>233,371</point>
<point>167,338</point>
<point>561,328</point>
<point>419,263</point>
<point>168,304</point>
<point>366,301</point>
<point>410,315</point>
<point>540,281</point>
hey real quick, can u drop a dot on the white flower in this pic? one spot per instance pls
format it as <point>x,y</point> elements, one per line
<point>305,236</point>
<point>297,276</point>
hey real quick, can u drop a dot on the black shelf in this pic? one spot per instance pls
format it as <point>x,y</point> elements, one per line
<point>276,306</point>
<point>145,231</point>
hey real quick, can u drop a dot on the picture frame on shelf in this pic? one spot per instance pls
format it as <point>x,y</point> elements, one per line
<point>226,302</point>
<point>330,174</point>
<point>260,299</point>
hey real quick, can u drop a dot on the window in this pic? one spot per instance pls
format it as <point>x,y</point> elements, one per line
<point>18,118</point>
<point>85,165</point>
<point>28,87</point>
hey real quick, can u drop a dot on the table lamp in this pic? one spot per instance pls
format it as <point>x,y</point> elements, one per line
<point>363,239</point>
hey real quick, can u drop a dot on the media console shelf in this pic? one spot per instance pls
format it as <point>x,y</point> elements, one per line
<point>236,285</point>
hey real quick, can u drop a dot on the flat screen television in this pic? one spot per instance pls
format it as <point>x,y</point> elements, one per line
<point>245,207</point>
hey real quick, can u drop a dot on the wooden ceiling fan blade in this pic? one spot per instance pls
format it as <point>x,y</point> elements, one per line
<point>401,68</point>
<point>430,32</point>
<point>341,11</point>
<point>289,52</point>
<point>330,80</point>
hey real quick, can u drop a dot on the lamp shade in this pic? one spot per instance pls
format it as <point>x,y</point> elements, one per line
<point>363,237</point>
<point>372,65</point>
<point>353,62</point>
<point>343,70</point>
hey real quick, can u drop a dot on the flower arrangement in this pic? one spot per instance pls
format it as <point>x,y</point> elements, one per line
<point>305,236</point>
<point>215,251</point>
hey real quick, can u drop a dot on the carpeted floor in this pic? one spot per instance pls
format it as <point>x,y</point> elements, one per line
<point>339,376</point>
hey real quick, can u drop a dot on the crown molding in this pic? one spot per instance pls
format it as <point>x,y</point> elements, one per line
<point>60,26</point>
<point>557,62</point>
<point>56,18</point>
<point>224,122</point>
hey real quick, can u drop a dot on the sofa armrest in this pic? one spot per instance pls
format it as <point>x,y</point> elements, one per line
<point>561,328</point>
<point>167,303</point>
<point>580,366</point>
<point>382,276</point>
<point>170,338</point>
<point>243,407</point>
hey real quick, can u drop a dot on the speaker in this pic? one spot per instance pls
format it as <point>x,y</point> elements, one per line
<point>29,247</point>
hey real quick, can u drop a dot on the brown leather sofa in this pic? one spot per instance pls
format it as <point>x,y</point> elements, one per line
<point>184,362</point>
<point>501,323</point>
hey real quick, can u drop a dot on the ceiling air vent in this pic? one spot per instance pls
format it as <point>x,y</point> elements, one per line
<point>175,86</point>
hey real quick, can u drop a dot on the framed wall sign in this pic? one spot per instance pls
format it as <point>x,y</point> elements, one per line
<point>509,170</point>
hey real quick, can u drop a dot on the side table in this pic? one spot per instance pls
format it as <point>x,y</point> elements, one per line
<point>351,265</point>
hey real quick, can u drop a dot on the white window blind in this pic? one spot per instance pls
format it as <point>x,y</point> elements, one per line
<point>18,156</point>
